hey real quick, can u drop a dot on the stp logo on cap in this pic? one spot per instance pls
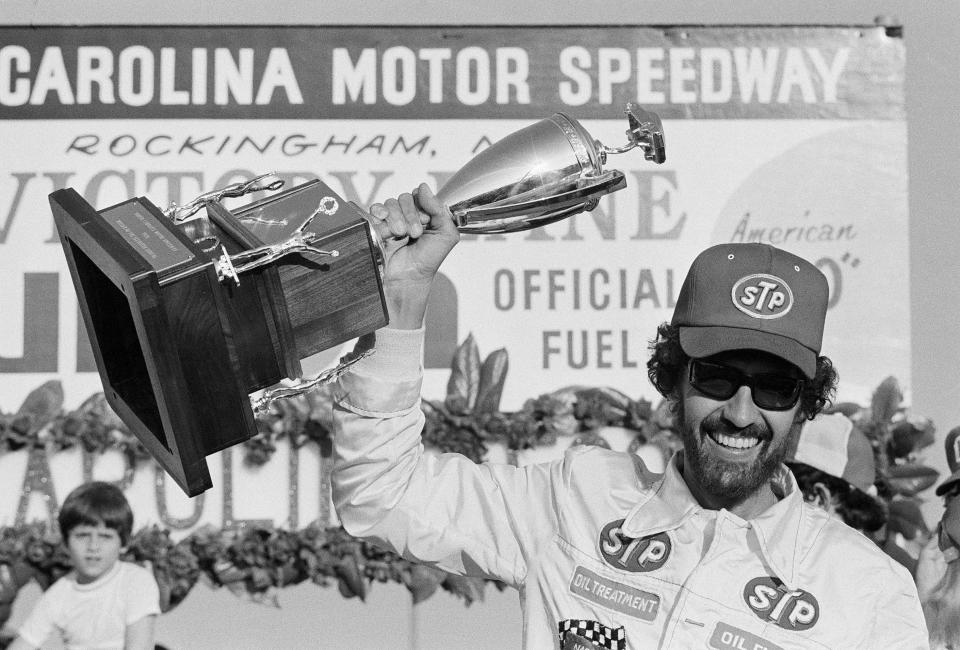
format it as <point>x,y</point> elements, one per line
<point>762,295</point>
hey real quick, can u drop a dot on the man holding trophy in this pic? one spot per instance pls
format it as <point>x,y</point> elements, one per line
<point>188,317</point>
<point>718,551</point>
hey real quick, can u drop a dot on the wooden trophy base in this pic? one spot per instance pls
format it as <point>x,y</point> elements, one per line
<point>178,347</point>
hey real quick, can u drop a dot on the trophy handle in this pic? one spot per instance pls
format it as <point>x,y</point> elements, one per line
<point>645,132</point>
<point>375,239</point>
<point>299,242</point>
<point>301,386</point>
<point>264,182</point>
<point>261,256</point>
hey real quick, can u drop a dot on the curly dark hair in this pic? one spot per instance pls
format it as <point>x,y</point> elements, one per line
<point>668,362</point>
<point>857,508</point>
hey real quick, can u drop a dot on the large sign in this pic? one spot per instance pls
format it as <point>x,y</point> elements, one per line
<point>790,136</point>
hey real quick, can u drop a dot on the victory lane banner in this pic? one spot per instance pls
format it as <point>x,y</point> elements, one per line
<point>793,136</point>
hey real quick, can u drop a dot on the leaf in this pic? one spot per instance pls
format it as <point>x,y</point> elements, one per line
<point>907,437</point>
<point>22,572</point>
<point>259,578</point>
<point>344,589</point>
<point>163,584</point>
<point>227,573</point>
<point>470,589</point>
<point>464,378</point>
<point>238,589</point>
<point>849,409</point>
<point>605,395</point>
<point>97,408</point>
<point>911,478</point>
<point>351,581</point>
<point>268,597</point>
<point>906,518</point>
<point>590,438</point>
<point>885,401</point>
<point>5,610</point>
<point>493,374</point>
<point>43,404</point>
<point>422,581</point>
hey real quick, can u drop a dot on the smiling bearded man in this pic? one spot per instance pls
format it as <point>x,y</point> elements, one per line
<point>740,363</point>
<point>719,551</point>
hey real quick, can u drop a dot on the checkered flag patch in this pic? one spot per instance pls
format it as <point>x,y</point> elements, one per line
<point>612,638</point>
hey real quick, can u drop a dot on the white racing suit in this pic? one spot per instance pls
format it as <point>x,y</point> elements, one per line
<point>598,545</point>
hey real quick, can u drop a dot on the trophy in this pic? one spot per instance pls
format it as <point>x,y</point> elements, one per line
<point>199,316</point>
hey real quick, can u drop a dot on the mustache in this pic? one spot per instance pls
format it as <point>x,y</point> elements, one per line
<point>714,424</point>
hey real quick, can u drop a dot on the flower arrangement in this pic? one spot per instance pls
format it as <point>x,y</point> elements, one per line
<point>898,437</point>
<point>256,562</point>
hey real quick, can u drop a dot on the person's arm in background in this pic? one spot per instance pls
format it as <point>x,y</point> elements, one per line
<point>141,607</point>
<point>36,629</point>
<point>444,510</point>
<point>931,567</point>
<point>139,634</point>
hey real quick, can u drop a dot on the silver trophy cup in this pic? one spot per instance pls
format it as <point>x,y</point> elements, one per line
<point>542,173</point>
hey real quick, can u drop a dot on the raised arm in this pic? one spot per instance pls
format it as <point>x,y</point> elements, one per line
<point>444,510</point>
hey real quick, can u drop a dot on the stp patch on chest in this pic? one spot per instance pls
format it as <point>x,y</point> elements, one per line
<point>769,599</point>
<point>640,554</point>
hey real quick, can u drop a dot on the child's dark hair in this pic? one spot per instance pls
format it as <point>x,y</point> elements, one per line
<point>857,508</point>
<point>94,503</point>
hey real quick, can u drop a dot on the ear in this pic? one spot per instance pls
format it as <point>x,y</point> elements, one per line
<point>823,498</point>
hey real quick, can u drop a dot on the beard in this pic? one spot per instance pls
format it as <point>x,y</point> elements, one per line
<point>732,481</point>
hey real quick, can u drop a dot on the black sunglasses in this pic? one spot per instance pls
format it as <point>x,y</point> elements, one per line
<point>770,391</point>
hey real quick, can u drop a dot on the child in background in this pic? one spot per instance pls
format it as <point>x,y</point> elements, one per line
<point>833,463</point>
<point>102,603</point>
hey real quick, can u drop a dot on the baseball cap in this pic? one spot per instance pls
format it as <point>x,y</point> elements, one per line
<point>952,448</point>
<point>753,296</point>
<point>831,444</point>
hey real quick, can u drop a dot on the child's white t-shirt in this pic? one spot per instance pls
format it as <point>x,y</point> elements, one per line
<point>93,616</point>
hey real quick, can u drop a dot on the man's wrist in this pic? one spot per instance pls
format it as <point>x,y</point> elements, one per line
<point>407,303</point>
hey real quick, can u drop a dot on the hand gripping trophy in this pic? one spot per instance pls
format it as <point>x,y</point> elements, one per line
<point>199,316</point>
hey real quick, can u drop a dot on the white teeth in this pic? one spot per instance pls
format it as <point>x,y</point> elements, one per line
<point>735,442</point>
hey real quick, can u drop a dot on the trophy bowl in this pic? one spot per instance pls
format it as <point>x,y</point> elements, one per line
<point>542,173</point>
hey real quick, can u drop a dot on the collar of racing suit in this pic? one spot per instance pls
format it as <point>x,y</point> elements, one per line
<point>777,530</point>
